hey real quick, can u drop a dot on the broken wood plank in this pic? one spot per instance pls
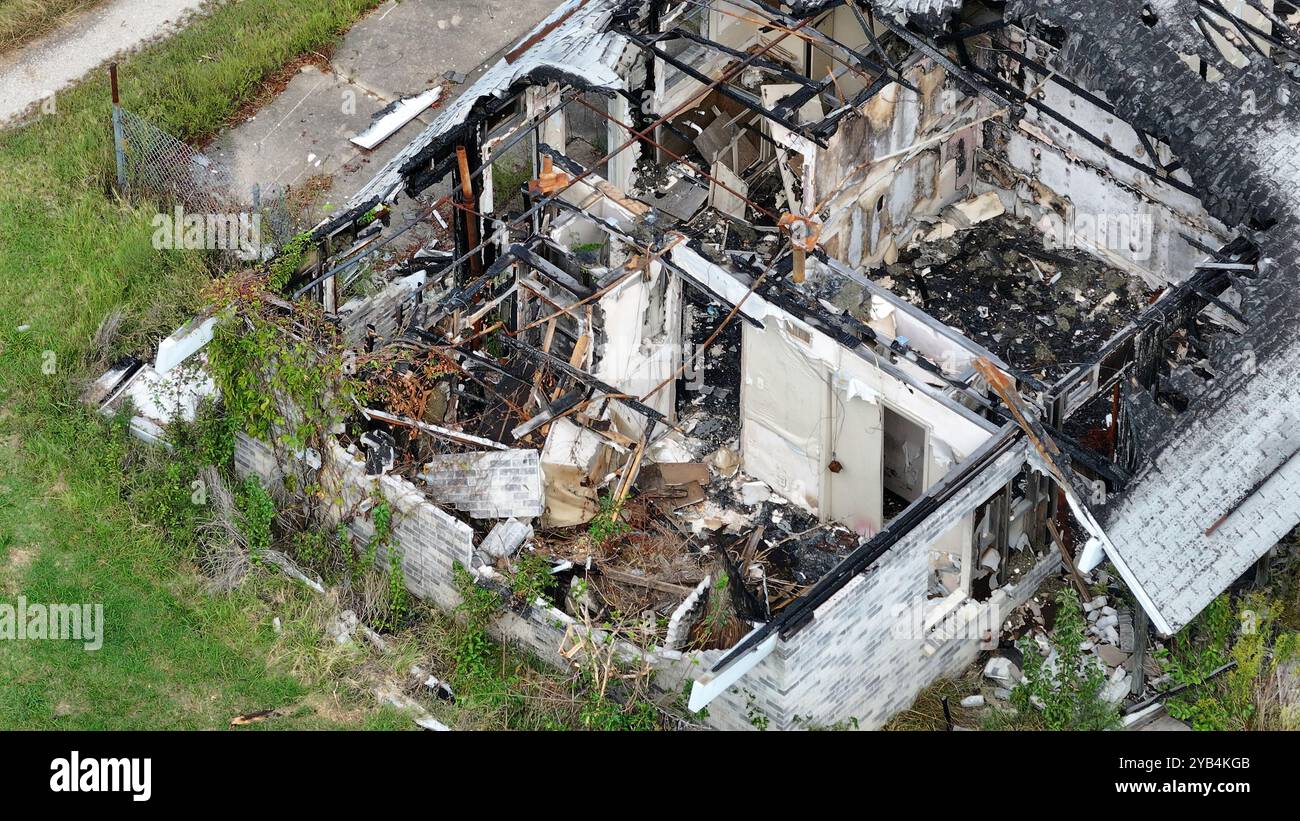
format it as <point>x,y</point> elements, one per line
<point>1084,593</point>
<point>435,430</point>
<point>642,581</point>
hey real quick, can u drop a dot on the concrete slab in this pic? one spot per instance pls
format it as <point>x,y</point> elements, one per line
<point>302,137</point>
<point>402,48</point>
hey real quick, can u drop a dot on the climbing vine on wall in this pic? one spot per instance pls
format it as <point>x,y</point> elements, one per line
<point>279,366</point>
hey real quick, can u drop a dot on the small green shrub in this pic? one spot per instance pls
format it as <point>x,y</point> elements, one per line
<point>606,524</point>
<point>281,269</point>
<point>259,512</point>
<point>1068,697</point>
<point>214,434</point>
<point>532,579</point>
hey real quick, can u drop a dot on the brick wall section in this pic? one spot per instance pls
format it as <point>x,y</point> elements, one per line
<point>429,538</point>
<point>849,662</point>
<point>855,659</point>
<point>400,298</point>
<point>494,484</point>
<point>254,456</point>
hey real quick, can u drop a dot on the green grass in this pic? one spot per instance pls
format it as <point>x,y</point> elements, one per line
<point>70,253</point>
<point>22,21</point>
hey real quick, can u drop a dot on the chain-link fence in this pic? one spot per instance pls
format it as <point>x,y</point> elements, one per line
<point>158,166</point>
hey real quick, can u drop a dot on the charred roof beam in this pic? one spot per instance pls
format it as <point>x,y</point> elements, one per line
<point>930,50</point>
<point>784,72</point>
<point>1110,150</point>
<point>550,271</point>
<point>1080,91</point>
<point>579,375</point>
<point>1243,27</point>
<point>747,100</point>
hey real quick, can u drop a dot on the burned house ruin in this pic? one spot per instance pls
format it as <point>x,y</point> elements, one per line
<point>865,318</point>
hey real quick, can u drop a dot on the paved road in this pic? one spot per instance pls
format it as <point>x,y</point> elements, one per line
<point>41,68</point>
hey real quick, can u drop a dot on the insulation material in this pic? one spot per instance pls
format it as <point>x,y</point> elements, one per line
<point>574,461</point>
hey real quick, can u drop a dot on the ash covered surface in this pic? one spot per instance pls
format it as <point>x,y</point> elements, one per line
<point>795,545</point>
<point>1040,310</point>
<point>708,396</point>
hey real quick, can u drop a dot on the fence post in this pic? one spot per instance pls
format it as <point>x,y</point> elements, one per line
<point>119,149</point>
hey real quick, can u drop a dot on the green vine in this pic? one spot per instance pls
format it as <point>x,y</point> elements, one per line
<point>274,381</point>
<point>280,271</point>
<point>259,512</point>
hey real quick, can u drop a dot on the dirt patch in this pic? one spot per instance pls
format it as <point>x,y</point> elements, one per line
<point>14,566</point>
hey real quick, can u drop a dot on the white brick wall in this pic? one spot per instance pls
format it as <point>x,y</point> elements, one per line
<point>849,662</point>
<point>430,539</point>
<point>494,484</point>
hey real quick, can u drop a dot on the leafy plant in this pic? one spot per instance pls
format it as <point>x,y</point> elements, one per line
<point>312,547</point>
<point>755,713</point>
<point>1246,696</point>
<point>532,579</point>
<point>280,271</point>
<point>606,524</point>
<point>259,512</point>
<point>214,434</point>
<point>718,613</point>
<point>1067,692</point>
<point>603,713</point>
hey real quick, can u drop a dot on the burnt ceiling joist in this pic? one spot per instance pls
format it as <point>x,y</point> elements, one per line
<point>1214,13</point>
<point>920,43</point>
<point>543,358</point>
<point>1158,174</point>
<point>785,72</point>
<point>742,98</point>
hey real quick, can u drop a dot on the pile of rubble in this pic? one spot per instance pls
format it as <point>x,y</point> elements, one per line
<point>1111,645</point>
<point>997,282</point>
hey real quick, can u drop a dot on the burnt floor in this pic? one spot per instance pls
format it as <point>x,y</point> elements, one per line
<point>1040,310</point>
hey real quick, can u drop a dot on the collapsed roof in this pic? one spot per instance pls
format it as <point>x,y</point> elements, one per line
<point>1216,486</point>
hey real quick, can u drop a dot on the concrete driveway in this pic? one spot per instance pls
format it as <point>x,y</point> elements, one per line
<point>301,138</point>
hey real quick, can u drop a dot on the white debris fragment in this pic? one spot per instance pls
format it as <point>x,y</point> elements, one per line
<point>342,628</point>
<point>754,493</point>
<point>1118,687</point>
<point>973,701</point>
<point>1000,668</point>
<point>506,538</point>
